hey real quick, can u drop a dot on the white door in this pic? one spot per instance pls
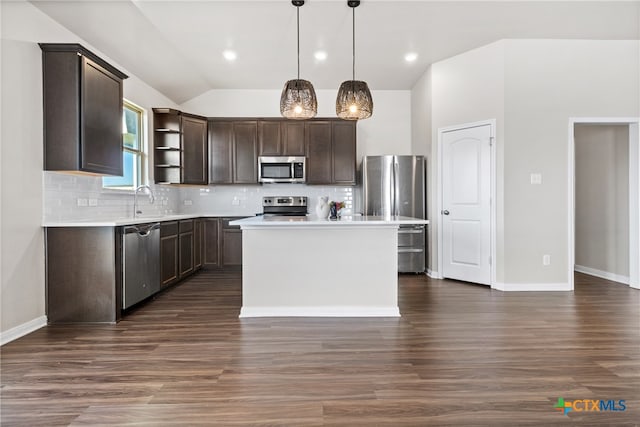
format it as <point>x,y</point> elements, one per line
<point>466,204</point>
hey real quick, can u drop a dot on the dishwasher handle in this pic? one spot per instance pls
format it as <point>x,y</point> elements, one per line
<point>143,230</point>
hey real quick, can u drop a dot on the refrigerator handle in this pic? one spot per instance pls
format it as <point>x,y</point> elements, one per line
<point>396,190</point>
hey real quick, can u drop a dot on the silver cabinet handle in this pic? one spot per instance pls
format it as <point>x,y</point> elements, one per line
<point>445,212</point>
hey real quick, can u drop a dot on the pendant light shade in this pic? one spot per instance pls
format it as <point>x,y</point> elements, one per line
<point>354,101</point>
<point>298,99</point>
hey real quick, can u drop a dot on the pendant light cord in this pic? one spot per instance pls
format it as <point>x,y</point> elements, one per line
<point>353,38</point>
<point>298,32</point>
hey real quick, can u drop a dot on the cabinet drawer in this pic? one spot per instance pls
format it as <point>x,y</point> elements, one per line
<point>169,228</point>
<point>413,237</point>
<point>186,226</point>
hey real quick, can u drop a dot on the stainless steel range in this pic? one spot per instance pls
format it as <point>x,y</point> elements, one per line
<point>284,205</point>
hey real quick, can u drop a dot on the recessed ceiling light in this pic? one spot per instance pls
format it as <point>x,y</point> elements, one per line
<point>410,57</point>
<point>320,55</point>
<point>229,55</point>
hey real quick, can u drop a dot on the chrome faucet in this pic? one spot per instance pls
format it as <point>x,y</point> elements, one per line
<point>152,198</point>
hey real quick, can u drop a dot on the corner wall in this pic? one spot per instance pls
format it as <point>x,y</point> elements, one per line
<point>22,291</point>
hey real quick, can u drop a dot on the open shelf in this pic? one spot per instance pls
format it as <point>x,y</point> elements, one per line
<point>168,148</point>
<point>167,166</point>
<point>166,130</point>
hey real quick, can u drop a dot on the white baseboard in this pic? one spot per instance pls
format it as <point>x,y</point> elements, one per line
<point>22,330</point>
<point>319,312</point>
<point>433,274</point>
<point>602,274</point>
<point>531,287</point>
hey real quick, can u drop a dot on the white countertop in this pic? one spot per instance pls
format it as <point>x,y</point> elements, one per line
<point>117,222</point>
<point>313,221</point>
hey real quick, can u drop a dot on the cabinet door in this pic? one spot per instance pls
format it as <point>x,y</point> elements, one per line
<point>186,253</point>
<point>211,242</point>
<point>269,138</point>
<point>101,120</point>
<point>197,244</point>
<point>344,152</point>
<point>293,139</point>
<point>168,259</point>
<point>194,150</point>
<point>221,152</point>
<point>231,247</point>
<point>318,144</point>
<point>245,152</point>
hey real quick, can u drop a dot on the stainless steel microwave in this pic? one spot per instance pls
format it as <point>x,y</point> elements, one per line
<point>282,169</point>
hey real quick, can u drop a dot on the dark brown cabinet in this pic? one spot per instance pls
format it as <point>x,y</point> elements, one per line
<point>197,244</point>
<point>181,149</point>
<point>233,152</point>
<point>331,152</point>
<point>222,243</point>
<point>82,111</point>
<point>194,150</point>
<point>185,243</point>
<point>231,244</point>
<point>211,252</point>
<point>169,253</point>
<point>281,138</point>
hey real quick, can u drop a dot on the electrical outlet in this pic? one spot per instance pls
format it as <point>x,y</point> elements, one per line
<point>93,202</point>
<point>188,202</point>
<point>82,202</point>
<point>235,202</point>
<point>546,259</point>
<point>536,178</point>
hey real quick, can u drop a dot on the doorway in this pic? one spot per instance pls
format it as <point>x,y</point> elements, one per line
<point>604,187</point>
<point>466,214</point>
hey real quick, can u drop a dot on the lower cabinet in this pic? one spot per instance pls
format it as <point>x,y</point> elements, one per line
<point>185,243</point>
<point>197,243</point>
<point>169,273</point>
<point>222,243</point>
<point>231,244</point>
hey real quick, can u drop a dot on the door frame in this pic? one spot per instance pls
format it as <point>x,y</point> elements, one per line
<point>493,189</point>
<point>634,193</point>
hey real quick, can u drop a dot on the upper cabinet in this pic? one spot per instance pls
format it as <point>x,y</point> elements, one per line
<point>281,138</point>
<point>181,154</point>
<point>233,151</point>
<point>331,152</point>
<point>82,111</point>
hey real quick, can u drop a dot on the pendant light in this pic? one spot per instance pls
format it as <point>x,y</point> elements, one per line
<point>354,101</point>
<point>298,99</point>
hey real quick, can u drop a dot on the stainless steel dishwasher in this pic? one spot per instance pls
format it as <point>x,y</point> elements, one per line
<point>140,262</point>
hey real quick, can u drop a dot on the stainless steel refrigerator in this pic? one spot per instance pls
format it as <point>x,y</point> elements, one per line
<point>395,186</point>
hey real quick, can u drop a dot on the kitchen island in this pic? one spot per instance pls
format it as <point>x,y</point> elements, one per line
<point>304,266</point>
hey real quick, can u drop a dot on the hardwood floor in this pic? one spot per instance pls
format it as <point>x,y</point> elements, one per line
<point>460,355</point>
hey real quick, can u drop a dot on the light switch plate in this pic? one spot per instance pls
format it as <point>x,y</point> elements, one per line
<point>82,202</point>
<point>93,202</point>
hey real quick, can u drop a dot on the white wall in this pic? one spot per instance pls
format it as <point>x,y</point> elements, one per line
<point>546,83</point>
<point>23,287</point>
<point>602,198</point>
<point>387,131</point>
<point>532,88</point>
<point>22,292</point>
<point>468,88</point>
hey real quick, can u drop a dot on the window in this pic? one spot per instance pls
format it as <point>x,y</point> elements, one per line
<point>133,150</point>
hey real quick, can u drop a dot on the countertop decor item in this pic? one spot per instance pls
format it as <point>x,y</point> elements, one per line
<point>322,208</point>
<point>334,207</point>
<point>298,99</point>
<point>354,100</point>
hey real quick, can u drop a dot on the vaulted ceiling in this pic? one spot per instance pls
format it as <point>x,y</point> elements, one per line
<point>177,46</point>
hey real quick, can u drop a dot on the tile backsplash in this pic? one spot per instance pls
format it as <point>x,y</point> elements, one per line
<point>233,200</point>
<point>81,197</point>
<point>78,197</point>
